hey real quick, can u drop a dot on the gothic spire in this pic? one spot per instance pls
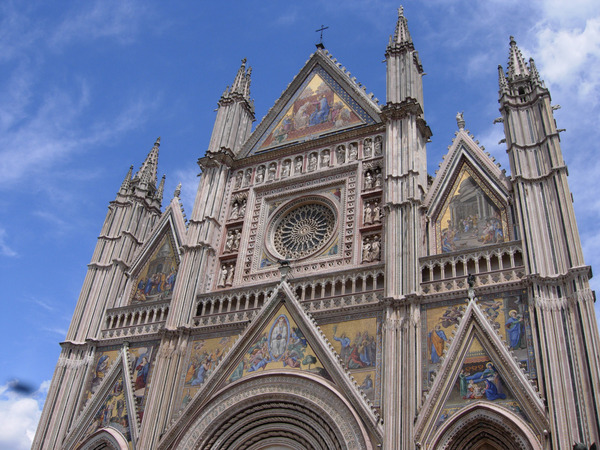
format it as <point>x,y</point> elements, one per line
<point>516,63</point>
<point>401,35</point>
<point>535,75</point>
<point>127,181</point>
<point>503,85</point>
<point>147,174</point>
<point>241,84</point>
<point>161,189</point>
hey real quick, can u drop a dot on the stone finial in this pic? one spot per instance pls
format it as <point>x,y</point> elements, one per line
<point>177,192</point>
<point>460,120</point>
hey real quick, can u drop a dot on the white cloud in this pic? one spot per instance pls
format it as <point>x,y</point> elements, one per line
<point>569,58</point>
<point>5,249</point>
<point>19,416</point>
<point>116,19</point>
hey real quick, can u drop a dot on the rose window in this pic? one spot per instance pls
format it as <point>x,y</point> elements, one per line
<point>304,230</point>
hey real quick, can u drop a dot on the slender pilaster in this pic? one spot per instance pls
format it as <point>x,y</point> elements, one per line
<point>405,186</point>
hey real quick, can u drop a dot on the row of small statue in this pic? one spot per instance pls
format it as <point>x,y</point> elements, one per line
<point>243,179</point>
<point>232,241</point>
<point>371,248</point>
<point>372,213</point>
<point>238,209</point>
<point>226,275</point>
<point>373,179</point>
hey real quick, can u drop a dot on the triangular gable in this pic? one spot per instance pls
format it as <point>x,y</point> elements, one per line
<point>464,148</point>
<point>321,100</point>
<point>280,345</point>
<point>471,214</point>
<point>282,315</point>
<point>477,345</point>
<point>111,408</point>
<point>154,271</point>
<point>104,360</point>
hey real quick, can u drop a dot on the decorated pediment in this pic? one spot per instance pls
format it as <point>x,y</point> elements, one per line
<point>154,271</point>
<point>282,339</point>
<point>322,100</point>
<point>476,368</point>
<point>468,199</point>
<point>110,409</point>
<point>471,215</point>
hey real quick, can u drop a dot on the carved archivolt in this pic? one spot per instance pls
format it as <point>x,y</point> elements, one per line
<point>481,423</point>
<point>285,408</point>
<point>105,439</point>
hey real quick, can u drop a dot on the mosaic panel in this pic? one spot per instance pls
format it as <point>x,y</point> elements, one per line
<point>472,216</point>
<point>281,345</point>
<point>142,363</point>
<point>357,343</point>
<point>156,280</point>
<point>104,360</point>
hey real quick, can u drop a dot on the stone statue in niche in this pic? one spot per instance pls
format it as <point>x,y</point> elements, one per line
<point>285,168</point>
<point>248,177</point>
<point>260,174</point>
<point>235,210</point>
<point>378,144</point>
<point>325,158</point>
<point>222,276</point>
<point>272,171</point>
<point>236,240</point>
<point>238,180</point>
<point>376,212</point>
<point>371,249</point>
<point>352,151</point>
<point>368,148</point>
<point>376,248</point>
<point>340,154</point>
<point>229,241</point>
<point>298,165</point>
<point>230,273</point>
<point>312,162</point>
<point>378,178</point>
<point>366,250</point>
<point>242,210</point>
<point>368,214</point>
<point>368,180</point>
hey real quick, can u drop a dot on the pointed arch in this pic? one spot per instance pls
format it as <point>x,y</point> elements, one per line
<point>292,407</point>
<point>105,439</point>
<point>485,426</point>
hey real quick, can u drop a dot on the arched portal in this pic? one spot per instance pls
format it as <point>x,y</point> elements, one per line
<point>288,411</point>
<point>105,439</point>
<point>483,426</point>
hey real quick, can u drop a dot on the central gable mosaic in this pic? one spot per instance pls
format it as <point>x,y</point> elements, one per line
<point>320,106</point>
<point>471,216</point>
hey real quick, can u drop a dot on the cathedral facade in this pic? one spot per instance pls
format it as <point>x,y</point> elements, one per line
<point>328,293</point>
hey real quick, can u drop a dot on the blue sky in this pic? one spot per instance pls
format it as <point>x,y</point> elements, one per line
<point>87,87</point>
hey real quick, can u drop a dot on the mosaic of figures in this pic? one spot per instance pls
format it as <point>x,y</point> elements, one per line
<point>316,110</point>
<point>479,380</point>
<point>297,165</point>
<point>156,280</point>
<point>281,345</point>
<point>357,341</point>
<point>508,314</point>
<point>471,216</point>
<point>103,362</point>
<point>141,362</point>
<point>113,413</point>
<point>203,356</point>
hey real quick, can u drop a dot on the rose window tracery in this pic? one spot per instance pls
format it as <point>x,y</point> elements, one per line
<point>304,230</point>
